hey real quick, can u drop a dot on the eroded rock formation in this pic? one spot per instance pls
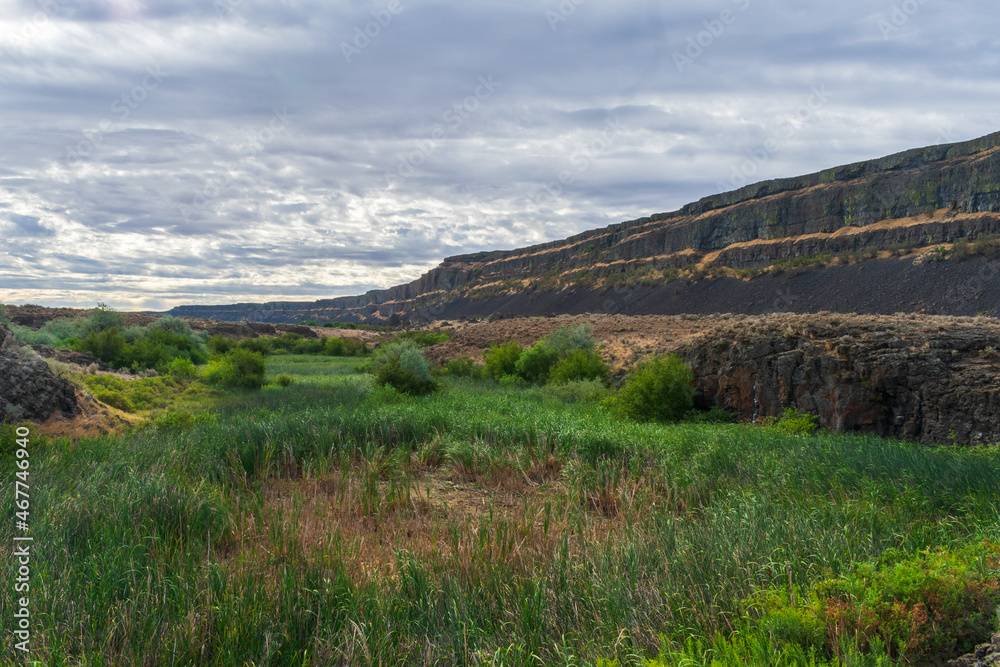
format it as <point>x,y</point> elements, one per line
<point>919,381</point>
<point>28,389</point>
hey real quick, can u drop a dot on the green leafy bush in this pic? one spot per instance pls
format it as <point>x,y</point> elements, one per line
<point>403,367</point>
<point>344,347</point>
<point>219,344</point>
<point>182,368</point>
<point>923,608</point>
<point>659,389</point>
<point>464,367</point>
<point>502,360</point>
<point>536,362</point>
<point>105,344</point>
<point>102,318</point>
<point>579,365</point>
<point>240,368</point>
<point>283,380</point>
<point>794,422</point>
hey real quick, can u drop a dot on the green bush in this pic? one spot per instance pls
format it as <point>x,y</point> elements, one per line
<point>464,367</point>
<point>536,362</point>
<point>102,318</point>
<point>403,367</point>
<point>579,365</point>
<point>794,422</point>
<point>219,344</point>
<point>283,380</point>
<point>174,325</point>
<point>261,346</point>
<point>566,339</point>
<point>344,347</point>
<point>502,360</point>
<point>659,389</point>
<point>105,344</point>
<point>240,368</point>
<point>182,368</point>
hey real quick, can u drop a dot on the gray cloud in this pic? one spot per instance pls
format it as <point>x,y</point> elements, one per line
<point>158,153</point>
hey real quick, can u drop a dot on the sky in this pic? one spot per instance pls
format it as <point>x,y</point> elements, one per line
<point>155,153</point>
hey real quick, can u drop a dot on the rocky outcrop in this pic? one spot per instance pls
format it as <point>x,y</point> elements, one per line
<point>84,359</point>
<point>985,655</point>
<point>918,381</point>
<point>28,389</point>
<point>950,186</point>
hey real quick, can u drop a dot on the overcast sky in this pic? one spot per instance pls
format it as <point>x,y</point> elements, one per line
<point>163,152</point>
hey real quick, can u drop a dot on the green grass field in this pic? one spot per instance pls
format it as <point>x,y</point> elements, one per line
<point>333,522</point>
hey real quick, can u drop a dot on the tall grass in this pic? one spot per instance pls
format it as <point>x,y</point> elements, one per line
<point>300,528</point>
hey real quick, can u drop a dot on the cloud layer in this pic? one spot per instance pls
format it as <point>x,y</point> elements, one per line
<point>156,153</point>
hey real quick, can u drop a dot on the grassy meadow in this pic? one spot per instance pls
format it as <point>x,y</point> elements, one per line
<point>333,522</point>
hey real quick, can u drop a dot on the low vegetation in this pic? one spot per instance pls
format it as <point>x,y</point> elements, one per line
<point>376,510</point>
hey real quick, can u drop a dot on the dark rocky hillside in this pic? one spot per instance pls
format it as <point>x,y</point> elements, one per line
<point>913,205</point>
<point>28,389</point>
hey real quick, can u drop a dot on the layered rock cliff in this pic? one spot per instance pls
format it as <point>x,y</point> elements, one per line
<point>910,200</point>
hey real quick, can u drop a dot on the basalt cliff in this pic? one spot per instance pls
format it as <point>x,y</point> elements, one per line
<point>914,231</point>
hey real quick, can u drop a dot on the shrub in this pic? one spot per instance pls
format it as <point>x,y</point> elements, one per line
<point>463,367</point>
<point>174,325</point>
<point>403,367</point>
<point>344,347</point>
<point>219,344</point>
<point>535,363</point>
<point>181,368</point>
<point>261,346</point>
<point>240,368</point>
<point>794,422</point>
<point>4,316</point>
<point>106,344</point>
<point>565,339</point>
<point>283,380</point>
<point>502,360</point>
<point>579,365</point>
<point>102,318</point>
<point>960,249</point>
<point>659,389</point>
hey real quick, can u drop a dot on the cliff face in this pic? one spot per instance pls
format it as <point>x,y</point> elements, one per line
<point>923,381</point>
<point>917,198</point>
